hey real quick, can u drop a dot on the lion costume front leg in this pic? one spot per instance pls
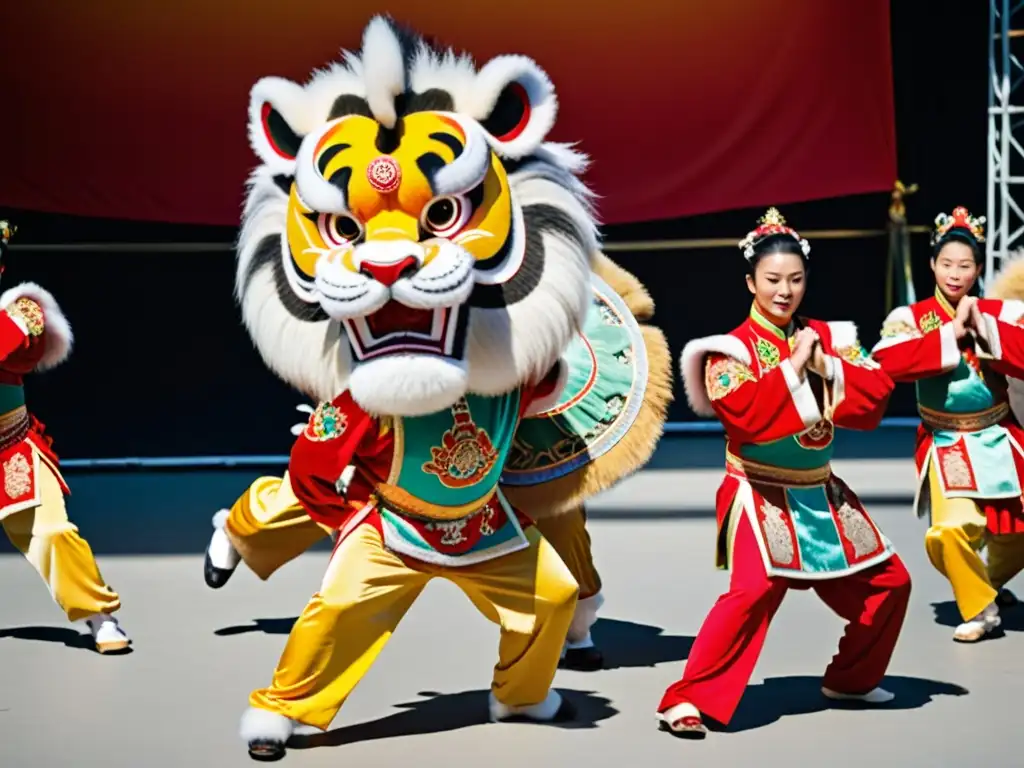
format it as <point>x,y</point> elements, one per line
<point>390,549</point>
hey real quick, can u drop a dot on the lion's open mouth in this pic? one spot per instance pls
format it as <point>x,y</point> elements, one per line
<point>396,329</point>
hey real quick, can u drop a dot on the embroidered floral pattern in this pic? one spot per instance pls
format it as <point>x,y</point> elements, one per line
<point>17,476</point>
<point>929,322</point>
<point>858,531</point>
<point>326,423</point>
<point>898,328</point>
<point>724,375</point>
<point>768,354</point>
<point>29,313</point>
<point>451,531</point>
<point>777,534</point>
<point>466,453</point>
<point>855,355</point>
<point>955,469</point>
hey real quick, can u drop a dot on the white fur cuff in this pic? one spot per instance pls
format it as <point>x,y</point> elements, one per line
<point>950,350</point>
<point>262,724</point>
<point>803,395</point>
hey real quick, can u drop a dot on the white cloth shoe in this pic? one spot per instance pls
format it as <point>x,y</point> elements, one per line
<point>107,633</point>
<point>874,696</point>
<point>972,631</point>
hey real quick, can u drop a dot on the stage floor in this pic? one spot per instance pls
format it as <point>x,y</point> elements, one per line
<point>176,700</point>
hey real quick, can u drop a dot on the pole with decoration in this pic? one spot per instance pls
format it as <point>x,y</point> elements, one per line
<point>899,278</point>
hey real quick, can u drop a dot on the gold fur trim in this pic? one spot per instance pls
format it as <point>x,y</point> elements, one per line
<point>630,454</point>
<point>1008,283</point>
<point>624,283</point>
<point>30,313</point>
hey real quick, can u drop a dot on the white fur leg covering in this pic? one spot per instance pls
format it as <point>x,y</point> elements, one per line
<point>223,554</point>
<point>541,712</point>
<point>261,724</point>
<point>583,619</point>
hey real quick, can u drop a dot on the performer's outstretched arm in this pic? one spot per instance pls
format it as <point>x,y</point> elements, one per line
<point>906,354</point>
<point>320,455</point>
<point>752,410</point>
<point>1003,341</point>
<point>860,389</point>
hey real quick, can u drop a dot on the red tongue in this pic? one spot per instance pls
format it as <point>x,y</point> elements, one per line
<point>398,318</point>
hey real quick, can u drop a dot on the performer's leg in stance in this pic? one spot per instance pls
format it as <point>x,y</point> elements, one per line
<point>952,543</point>
<point>64,560</point>
<point>727,645</point>
<point>723,656</point>
<point>874,602</point>
<point>266,528</point>
<point>365,593</point>
<point>1005,561</point>
<point>567,533</point>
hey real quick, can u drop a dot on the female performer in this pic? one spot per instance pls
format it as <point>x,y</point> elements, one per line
<point>780,384</point>
<point>958,350</point>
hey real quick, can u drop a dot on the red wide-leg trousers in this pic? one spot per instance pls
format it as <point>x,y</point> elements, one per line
<point>721,661</point>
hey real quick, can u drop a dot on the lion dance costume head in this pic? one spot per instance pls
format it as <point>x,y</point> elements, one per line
<point>410,234</point>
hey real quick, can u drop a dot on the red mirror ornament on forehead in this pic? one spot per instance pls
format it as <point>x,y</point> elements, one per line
<point>384,174</point>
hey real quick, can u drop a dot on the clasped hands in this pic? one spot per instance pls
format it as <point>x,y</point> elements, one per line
<point>969,322</point>
<point>807,354</point>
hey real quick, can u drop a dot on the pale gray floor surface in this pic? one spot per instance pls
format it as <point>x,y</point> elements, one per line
<point>176,700</point>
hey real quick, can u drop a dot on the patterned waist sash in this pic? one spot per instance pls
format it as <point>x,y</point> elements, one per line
<point>13,427</point>
<point>408,505</point>
<point>964,422</point>
<point>756,472</point>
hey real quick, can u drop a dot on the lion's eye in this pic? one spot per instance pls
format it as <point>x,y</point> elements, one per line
<point>339,229</point>
<point>444,216</point>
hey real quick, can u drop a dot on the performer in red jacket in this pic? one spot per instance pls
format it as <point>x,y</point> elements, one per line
<point>780,385</point>
<point>35,336</point>
<point>961,353</point>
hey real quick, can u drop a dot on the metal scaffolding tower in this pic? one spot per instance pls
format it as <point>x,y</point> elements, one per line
<point>1005,225</point>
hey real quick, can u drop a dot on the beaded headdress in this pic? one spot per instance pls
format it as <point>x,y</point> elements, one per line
<point>962,220</point>
<point>772,223</point>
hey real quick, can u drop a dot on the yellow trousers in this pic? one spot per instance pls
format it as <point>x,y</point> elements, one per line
<point>958,531</point>
<point>269,527</point>
<point>64,560</point>
<point>367,590</point>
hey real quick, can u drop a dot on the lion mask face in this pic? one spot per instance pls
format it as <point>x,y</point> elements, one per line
<point>410,235</point>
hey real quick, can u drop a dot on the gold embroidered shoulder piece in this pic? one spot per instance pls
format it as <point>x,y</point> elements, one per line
<point>899,328</point>
<point>929,322</point>
<point>723,375</point>
<point>29,313</point>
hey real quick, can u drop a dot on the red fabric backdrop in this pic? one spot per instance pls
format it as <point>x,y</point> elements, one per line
<point>137,110</point>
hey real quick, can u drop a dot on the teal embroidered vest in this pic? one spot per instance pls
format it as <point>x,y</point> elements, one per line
<point>451,459</point>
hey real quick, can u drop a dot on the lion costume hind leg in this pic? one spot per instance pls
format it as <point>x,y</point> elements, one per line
<point>604,427</point>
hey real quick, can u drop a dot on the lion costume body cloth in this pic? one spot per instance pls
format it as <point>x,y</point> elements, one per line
<point>418,258</point>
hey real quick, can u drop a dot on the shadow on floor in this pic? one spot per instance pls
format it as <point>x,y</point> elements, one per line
<point>624,643</point>
<point>438,712</point>
<point>948,615</point>
<point>266,626</point>
<point>630,644</point>
<point>778,697</point>
<point>66,635</point>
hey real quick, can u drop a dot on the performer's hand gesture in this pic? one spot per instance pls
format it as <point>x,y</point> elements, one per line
<point>803,349</point>
<point>964,311</point>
